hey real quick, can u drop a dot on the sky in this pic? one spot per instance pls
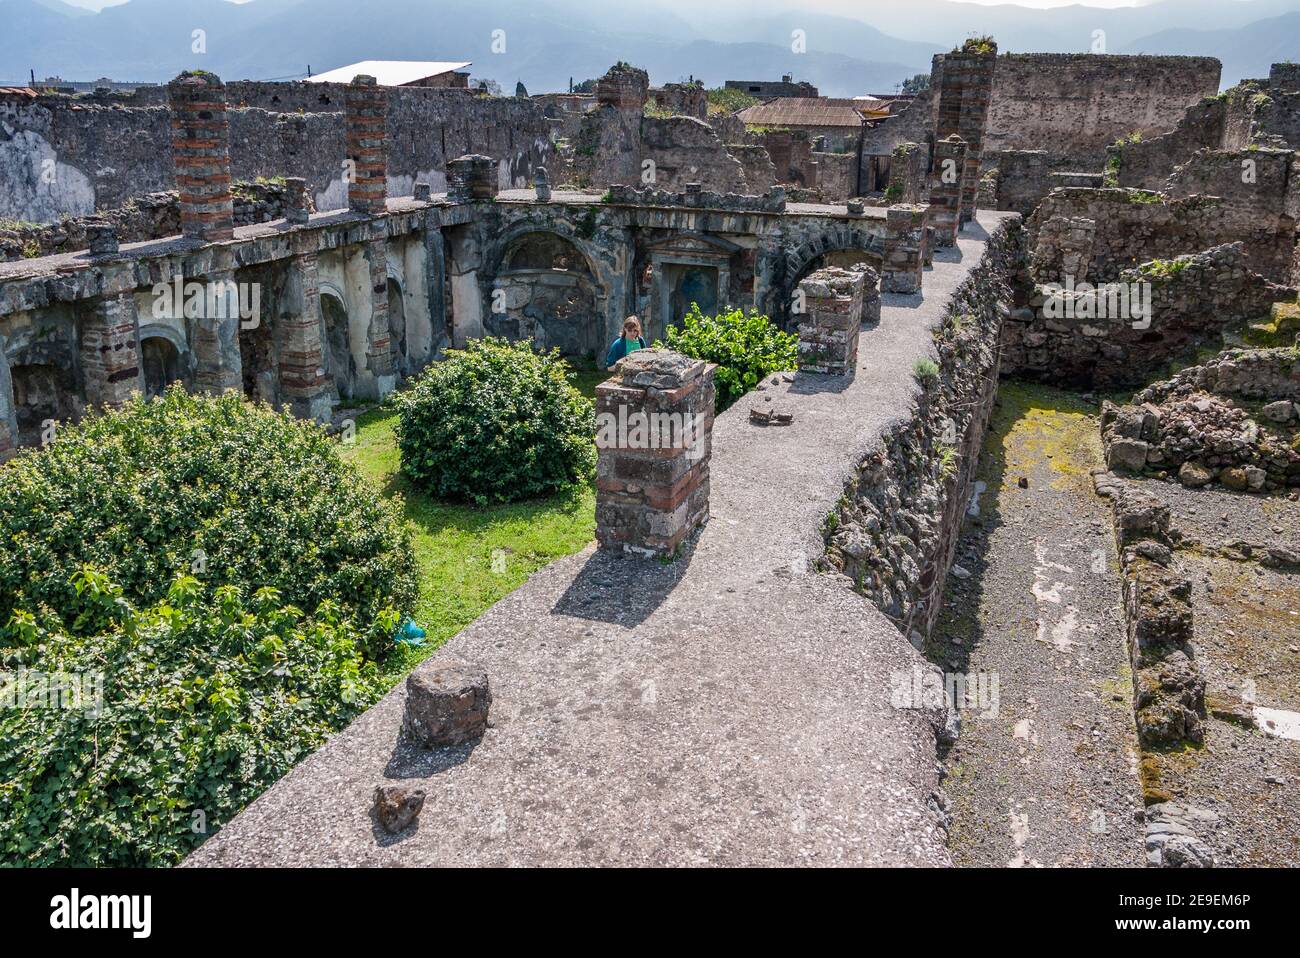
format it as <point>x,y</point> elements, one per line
<point>98,4</point>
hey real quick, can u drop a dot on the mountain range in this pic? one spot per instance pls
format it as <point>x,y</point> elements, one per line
<point>850,47</point>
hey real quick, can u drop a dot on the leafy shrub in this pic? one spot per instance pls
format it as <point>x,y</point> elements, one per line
<point>234,492</point>
<point>745,347</point>
<point>496,422</point>
<point>208,697</point>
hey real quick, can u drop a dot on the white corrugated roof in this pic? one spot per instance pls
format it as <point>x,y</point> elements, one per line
<point>388,72</point>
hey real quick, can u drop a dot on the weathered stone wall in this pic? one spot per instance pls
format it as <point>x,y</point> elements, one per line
<point>896,528</point>
<point>1079,104</point>
<point>1190,302</point>
<point>837,175</point>
<point>685,150</point>
<point>147,217</point>
<point>1146,163</point>
<point>107,148</point>
<point>1130,227</point>
<point>1024,177</point>
<point>760,172</point>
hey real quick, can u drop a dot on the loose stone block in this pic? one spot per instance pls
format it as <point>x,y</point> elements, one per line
<point>542,185</point>
<point>832,301</point>
<point>366,120</point>
<point>654,421</point>
<point>447,703</point>
<point>297,204</point>
<point>397,806</point>
<point>423,192</point>
<point>201,153</point>
<point>101,237</point>
<point>904,252</point>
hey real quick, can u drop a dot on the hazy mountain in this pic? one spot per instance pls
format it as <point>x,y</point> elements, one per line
<point>1245,52</point>
<point>853,46</point>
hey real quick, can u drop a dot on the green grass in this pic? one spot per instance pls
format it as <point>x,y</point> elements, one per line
<point>455,543</point>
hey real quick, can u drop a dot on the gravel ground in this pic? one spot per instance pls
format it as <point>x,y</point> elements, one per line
<point>1051,779</point>
<point>1247,639</point>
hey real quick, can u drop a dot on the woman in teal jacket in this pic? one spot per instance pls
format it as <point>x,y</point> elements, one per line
<point>629,342</point>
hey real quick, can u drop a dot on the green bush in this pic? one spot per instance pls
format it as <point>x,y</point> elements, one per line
<point>208,697</point>
<point>745,347</point>
<point>232,492</point>
<point>496,422</point>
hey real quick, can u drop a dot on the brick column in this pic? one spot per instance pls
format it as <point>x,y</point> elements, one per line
<point>471,178</point>
<point>904,249</point>
<point>945,189</point>
<point>831,321</point>
<point>201,154</point>
<point>966,89</point>
<point>214,339</point>
<point>109,350</point>
<point>654,420</point>
<point>366,119</point>
<point>303,378</point>
<point>379,347</point>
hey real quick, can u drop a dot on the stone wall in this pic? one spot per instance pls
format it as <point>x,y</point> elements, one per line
<point>1079,104</point>
<point>104,149</point>
<point>148,217</point>
<point>1160,312</point>
<point>1130,227</point>
<point>896,528</point>
<point>837,175</point>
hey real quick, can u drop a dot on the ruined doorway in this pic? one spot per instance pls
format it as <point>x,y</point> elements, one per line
<point>397,325</point>
<point>160,363</point>
<point>693,284</point>
<point>338,352</point>
<point>42,392</point>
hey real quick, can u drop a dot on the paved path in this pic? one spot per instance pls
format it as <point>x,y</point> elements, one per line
<point>1048,777</point>
<point>728,708</point>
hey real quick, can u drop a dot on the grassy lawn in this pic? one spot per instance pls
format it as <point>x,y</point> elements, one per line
<point>455,544</point>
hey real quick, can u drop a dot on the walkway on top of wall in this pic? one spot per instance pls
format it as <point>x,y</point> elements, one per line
<point>727,708</point>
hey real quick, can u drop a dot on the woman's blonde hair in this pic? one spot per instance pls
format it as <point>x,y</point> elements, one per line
<point>632,323</point>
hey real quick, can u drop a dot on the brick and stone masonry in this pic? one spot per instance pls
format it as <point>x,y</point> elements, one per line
<point>110,355</point>
<point>832,301</point>
<point>905,251</point>
<point>945,190</point>
<point>907,173</point>
<point>472,178</point>
<point>965,92</point>
<point>365,117</point>
<point>201,153</point>
<point>297,202</point>
<point>303,378</point>
<point>654,421</point>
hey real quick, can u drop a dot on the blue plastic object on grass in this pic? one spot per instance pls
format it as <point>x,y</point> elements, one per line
<point>409,633</point>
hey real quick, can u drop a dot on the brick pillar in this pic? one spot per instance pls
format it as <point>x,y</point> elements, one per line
<point>624,87</point>
<point>966,88</point>
<point>365,116</point>
<point>214,338</point>
<point>945,189</point>
<point>201,153</point>
<point>380,360</point>
<point>830,322</point>
<point>8,415</point>
<point>471,178</point>
<point>303,378</point>
<point>110,350</point>
<point>654,421</point>
<point>904,249</point>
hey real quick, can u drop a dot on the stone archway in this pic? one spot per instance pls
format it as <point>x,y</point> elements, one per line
<point>544,289</point>
<point>160,364</point>
<point>844,247</point>
<point>397,325</point>
<point>338,350</point>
